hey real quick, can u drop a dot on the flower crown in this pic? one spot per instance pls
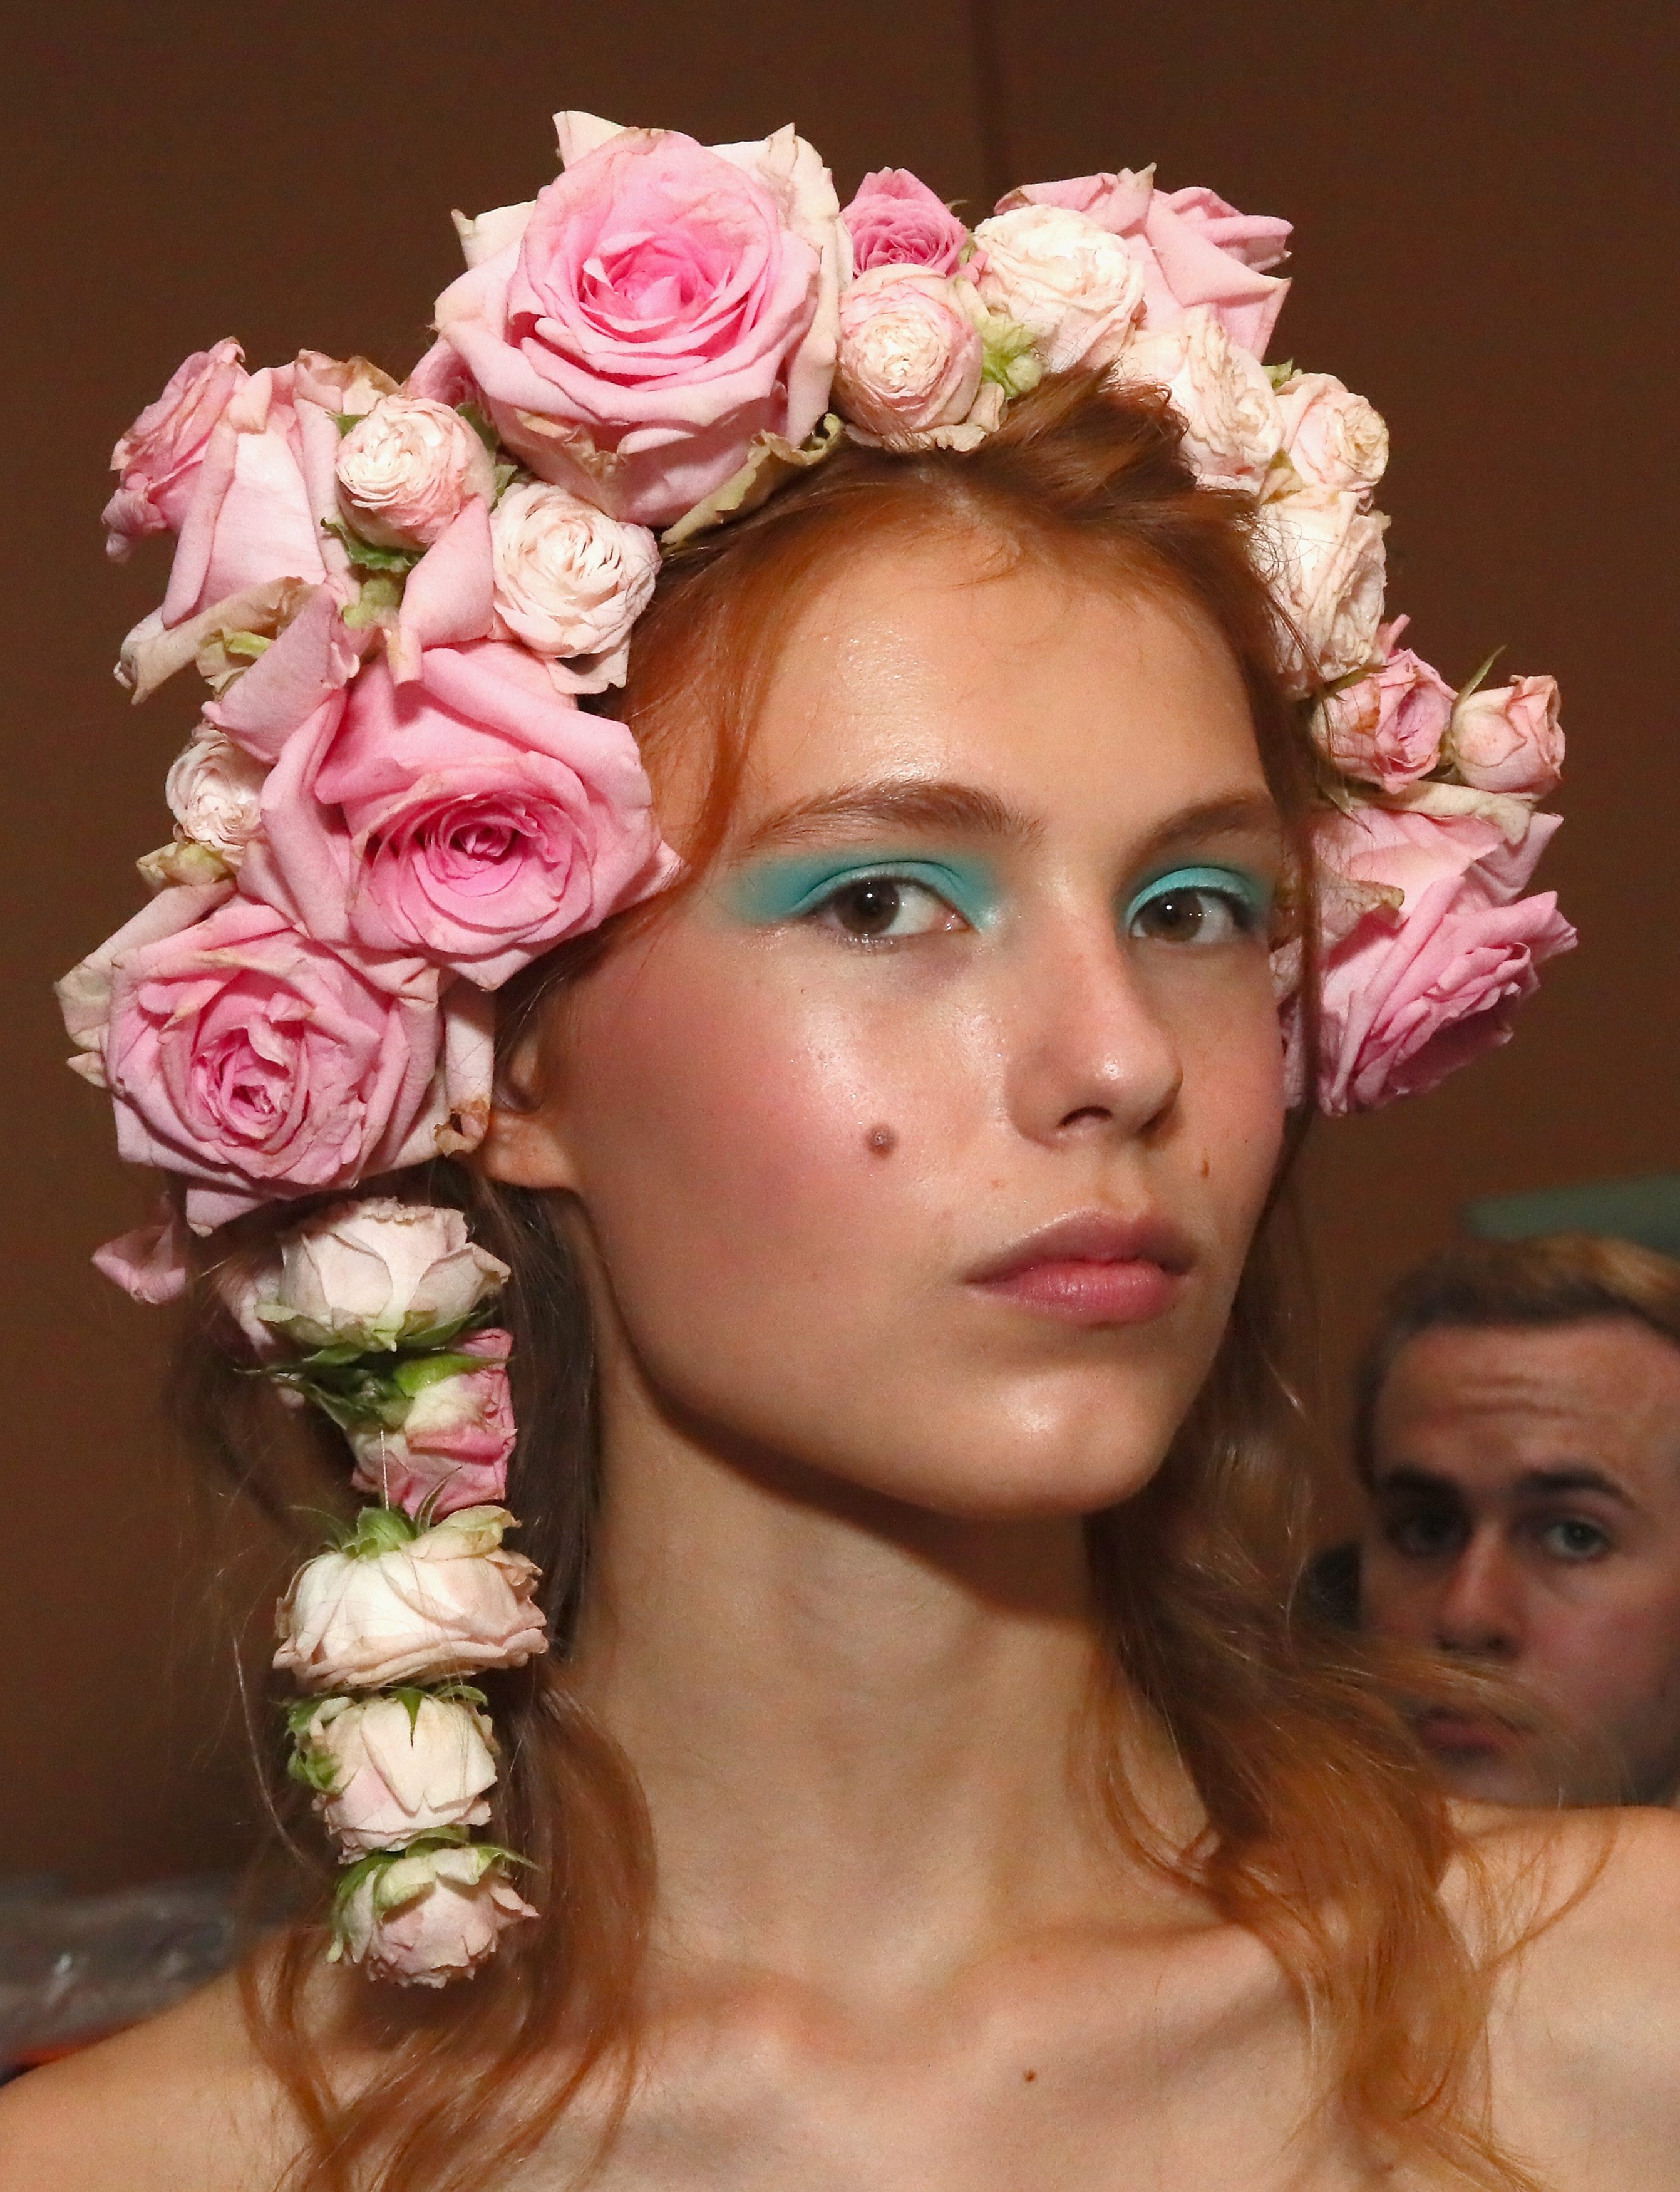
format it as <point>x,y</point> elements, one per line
<point>396,593</point>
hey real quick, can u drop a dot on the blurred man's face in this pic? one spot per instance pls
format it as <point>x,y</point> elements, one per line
<point>1526,1516</point>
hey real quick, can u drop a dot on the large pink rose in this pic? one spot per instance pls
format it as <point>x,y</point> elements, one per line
<point>896,220</point>
<point>158,459</point>
<point>473,815</point>
<point>1192,247</point>
<point>661,306</point>
<point>1415,991</point>
<point>256,1064</point>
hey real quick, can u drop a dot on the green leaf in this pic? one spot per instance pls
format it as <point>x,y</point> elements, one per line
<point>343,420</point>
<point>477,419</point>
<point>369,555</point>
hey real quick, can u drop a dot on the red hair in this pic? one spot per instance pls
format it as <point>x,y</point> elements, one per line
<point>1325,1833</point>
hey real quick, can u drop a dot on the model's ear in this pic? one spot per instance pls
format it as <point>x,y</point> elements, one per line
<point>525,1144</point>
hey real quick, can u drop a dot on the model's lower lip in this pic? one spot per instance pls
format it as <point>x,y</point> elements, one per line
<point>1453,1735</point>
<point>1082,1292</point>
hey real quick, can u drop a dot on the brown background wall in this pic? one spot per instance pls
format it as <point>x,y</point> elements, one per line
<point>1484,202</point>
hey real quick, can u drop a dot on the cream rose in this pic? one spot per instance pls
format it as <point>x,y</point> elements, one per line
<point>428,1917</point>
<point>379,1274</point>
<point>406,471</point>
<point>1076,288</point>
<point>388,1769</point>
<point>1332,438</point>
<point>443,1601</point>
<point>570,581</point>
<point>1325,558</point>
<point>1509,738</point>
<point>1232,428</point>
<point>910,356</point>
<point>214,791</point>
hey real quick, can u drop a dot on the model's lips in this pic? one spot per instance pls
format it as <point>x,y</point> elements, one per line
<point>1092,1268</point>
<point>1467,1735</point>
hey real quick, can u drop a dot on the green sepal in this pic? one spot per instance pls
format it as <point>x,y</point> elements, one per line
<point>346,420</point>
<point>379,1530</point>
<point>248,644</point>
<point>1278,375</point>
<point>505,476</point>
<point>313,1768</point>
<point>1011,361</point>
<point>1477,678</point>
<point>416,1372</point>
<point>380,596</point>
<point>369,555</point>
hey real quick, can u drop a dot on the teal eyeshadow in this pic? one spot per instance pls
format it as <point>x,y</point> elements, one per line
<point>1252,893</point>
<point>782,890</point>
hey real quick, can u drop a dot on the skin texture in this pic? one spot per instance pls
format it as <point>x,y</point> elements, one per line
<point>1525,1516</point>
<point>838,1617</point>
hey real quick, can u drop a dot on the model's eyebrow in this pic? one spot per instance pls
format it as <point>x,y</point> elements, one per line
<point>936,804</point>
<point>926,804</point>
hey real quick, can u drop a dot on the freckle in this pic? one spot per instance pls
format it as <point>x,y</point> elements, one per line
<point>881,1141</point>
<point>1029,2075</point>
<point>1207,1166</point>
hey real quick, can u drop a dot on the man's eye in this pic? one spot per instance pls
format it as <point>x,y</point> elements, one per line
<point>871,907</point>
<point>1426,1534</point>
<point>1572,1538</point>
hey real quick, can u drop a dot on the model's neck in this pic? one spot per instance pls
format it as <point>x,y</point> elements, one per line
<point>861,1729</point>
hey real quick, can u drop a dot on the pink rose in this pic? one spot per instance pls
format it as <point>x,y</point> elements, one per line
<point>910,356</point>
<point>444,1603</point>
<point>454,1445</point>
<point>257,502</point>
<point>429,1916</point>
<point>1387,728</point>
<point>1415,991</point>
<point>895,220</point>
<point>1332,438</point>
<point>1509,738</point>
<point>663,306</point>
<point>474,815</point>
<point>406,470</point>
<point>1075,287</point>
<point>1192,247</point>
<point>160,456</point>
<point>385,1774</point>
<point>256,1064</point>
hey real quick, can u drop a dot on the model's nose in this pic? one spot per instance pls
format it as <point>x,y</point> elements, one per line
<point>1480,1612</point>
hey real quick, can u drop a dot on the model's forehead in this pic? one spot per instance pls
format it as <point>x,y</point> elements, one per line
<point>1045,688</point>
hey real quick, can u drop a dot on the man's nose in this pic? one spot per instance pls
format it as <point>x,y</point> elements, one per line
<point>1480,1612</point>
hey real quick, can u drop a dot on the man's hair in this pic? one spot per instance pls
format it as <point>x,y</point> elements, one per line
<point>1558,1278</point>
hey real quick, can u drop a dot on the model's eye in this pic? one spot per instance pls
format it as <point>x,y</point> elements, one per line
<point>1199,905</point>
<point>1572,1538</point>
<point>885,906</point>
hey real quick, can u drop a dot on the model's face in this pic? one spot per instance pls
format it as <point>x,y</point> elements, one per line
<point>921,1147</point>
<point>1526,1514</point>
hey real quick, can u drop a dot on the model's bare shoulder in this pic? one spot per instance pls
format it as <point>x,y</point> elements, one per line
<point>1586,2033</point>
<point>181,2104</point>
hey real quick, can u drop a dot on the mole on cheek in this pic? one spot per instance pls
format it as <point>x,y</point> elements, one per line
<point>880,1141</point>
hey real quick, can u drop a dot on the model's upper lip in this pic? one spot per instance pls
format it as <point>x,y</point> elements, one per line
<point>1093,1236</point>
